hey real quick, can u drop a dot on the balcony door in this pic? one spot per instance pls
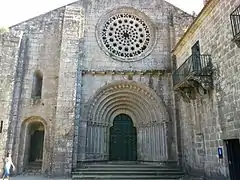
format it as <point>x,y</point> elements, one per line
<point>196,64</point>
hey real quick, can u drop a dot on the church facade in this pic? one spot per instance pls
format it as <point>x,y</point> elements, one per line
<point>87,77</point>
<point>93,81</point>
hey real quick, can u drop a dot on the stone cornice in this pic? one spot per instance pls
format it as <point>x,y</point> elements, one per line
<point>207,9</point>
<point>115,72</point>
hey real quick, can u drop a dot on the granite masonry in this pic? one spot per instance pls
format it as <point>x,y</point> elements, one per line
<point>208,115</point>
<point>67,75</point>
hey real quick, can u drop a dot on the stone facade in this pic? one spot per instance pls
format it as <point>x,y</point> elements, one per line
<point>9,46</point>
<point>211,119</point>
<point>85,84</point>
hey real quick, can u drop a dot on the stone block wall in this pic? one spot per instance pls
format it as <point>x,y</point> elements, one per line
<point>41,52</point>
<point>212,118</point>
<point>65,124</point>
<point>91,83</point>
<point>159,13</point>
<point>9,49</point>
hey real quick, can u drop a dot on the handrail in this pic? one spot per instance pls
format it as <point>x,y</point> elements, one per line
<point>235,22</point>
<point>194,65</point>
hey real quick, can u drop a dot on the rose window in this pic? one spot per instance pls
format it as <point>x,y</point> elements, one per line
<point>126,36</point>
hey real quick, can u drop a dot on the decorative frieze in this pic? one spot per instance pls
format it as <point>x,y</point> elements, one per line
<point>129,73</point>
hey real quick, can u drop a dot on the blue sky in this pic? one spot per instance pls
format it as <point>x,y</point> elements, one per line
<point>15,11</point>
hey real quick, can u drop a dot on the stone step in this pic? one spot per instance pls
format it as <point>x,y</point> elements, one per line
<point>123,165</point>
<point>116,173</point>
<point>145,169</point>
<point>33,167</point>
<point>126,171</point>
<point>146,177</point>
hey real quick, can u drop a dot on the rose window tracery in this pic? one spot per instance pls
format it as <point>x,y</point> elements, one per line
<point>126,36</point>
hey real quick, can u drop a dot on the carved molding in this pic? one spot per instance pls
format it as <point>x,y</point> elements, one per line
<point>194,90</point>
<point>139,101</point>
<point>204,81</point>
<point>187,94</point>
<point>131,73</point>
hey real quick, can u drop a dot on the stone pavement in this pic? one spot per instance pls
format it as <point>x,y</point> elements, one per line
<point>35,178</point>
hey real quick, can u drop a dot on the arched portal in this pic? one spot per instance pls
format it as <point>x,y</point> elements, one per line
<point>123,139</point>
<point>32,147</point>
<point>148,114</point>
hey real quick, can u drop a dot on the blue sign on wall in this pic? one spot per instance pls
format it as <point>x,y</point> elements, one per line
<point>220,153</point>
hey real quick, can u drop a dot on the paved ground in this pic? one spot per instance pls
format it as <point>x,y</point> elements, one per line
<point>34,178</point>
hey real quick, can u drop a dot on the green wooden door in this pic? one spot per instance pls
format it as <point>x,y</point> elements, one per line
<point>123,139</point>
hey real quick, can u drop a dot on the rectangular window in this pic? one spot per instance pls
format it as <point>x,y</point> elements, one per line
<point>1,127</point>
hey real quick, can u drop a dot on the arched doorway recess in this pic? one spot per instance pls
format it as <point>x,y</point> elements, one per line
<point>142,105</point>
<point>32,152</point>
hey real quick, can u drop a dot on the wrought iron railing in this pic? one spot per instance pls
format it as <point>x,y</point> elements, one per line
<point>235,23</point>
<point>195,65</point>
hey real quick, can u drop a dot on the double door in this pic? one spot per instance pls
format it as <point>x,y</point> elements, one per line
<point>123,139</point>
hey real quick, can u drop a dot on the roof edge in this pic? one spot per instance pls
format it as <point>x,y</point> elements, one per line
<point>209,6</point>
<point>170,4</point>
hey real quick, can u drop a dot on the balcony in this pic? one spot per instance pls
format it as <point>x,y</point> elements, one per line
<point>235,23</point>
<point>194,75</point>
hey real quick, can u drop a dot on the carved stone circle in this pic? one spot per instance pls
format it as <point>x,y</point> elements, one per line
<point>125,34</point>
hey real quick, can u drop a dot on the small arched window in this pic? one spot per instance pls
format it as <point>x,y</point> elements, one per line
<point>37,85</point>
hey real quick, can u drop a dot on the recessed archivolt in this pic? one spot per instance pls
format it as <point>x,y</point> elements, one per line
<point>123,99</point>
<point>34,119</point>
<point>140,102</point>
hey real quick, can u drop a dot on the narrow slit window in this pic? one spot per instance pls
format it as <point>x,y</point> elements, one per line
<point>1,127</point>
<point>37,85</point>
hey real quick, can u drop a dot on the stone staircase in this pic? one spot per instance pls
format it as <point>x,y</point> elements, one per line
<point>33,168</point>
<point>126,171</point>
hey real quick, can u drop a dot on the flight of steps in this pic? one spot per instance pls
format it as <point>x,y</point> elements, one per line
<point>33,168</point>
<point>126,171</point>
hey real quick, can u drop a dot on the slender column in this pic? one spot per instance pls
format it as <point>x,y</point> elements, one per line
<point>106,142</point>
<point>157,143</point>
<point>152,142</point>
<point>165,142</point>
<point>162,142</point>
<point>100,141</point>
<point>82,137</point>
<point>144,143</point>
<point>140,143</point>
